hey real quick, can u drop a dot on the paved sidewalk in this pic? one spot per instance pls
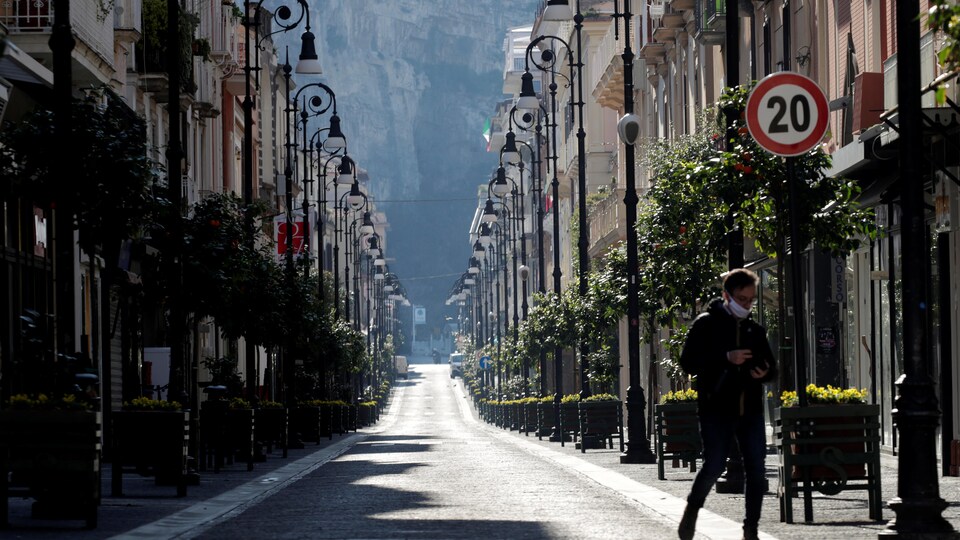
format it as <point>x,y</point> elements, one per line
<point>150,511</point>
<point>842,516</point>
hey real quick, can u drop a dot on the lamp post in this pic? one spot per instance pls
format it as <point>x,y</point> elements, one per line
<point>335,142</point>
<point>528,100</point>
<point>559,10</point>
<point>355,200</point>
<point>499,264</point>
<point>638,446</point>
<point>512,155</point>
<point>308,64</point>
<point>346,174</point>
<point>532,119</point>
<point>322,206</point>
<point>918,505</point>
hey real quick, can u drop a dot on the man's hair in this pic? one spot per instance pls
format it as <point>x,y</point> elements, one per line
<point>738,279</point>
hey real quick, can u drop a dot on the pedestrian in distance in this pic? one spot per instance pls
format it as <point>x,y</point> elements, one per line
<point>731,358</point>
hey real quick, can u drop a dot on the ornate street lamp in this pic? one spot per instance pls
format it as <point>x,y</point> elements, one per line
<point>531,119</point>
<point>308,64</point>
<point>637,445</point>
<point>346,170</point>
<point>335,143</point>
<point>527,102</point>
<point>559,10</point>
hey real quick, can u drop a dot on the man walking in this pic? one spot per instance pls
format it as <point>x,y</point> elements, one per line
<point>731,358</point>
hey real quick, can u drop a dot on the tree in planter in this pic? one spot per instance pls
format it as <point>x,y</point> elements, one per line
<point>683,226</point>
<point>550,324</point>
<point>565,320</point>
<point>223,372</point>
<point>599,313</point>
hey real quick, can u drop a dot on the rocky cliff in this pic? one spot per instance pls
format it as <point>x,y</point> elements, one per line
<point>415,80</point>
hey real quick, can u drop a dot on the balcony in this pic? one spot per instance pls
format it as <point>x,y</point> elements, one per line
<point>27,16</point>
<point>606,223</point>
<point>711,21</point>
<point>127,21</point>
<point>653,52</point>
<point>607,70</point>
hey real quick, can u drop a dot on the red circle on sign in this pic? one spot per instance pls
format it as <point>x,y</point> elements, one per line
<point>783,85</point>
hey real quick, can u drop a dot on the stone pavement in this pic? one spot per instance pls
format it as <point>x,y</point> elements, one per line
<point>149,511</point>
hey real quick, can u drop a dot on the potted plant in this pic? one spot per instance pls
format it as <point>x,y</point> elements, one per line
<point>50,451</point>
<point>152,437</point>
<point>569,417</point>
<point>546,416</point>
<point>270,424</point>
<point>366,411</point>
<point>830,446</point>
<point>528,416</point>
<point>601,418</point>
<point>677,430</point>
<point>240,422</point>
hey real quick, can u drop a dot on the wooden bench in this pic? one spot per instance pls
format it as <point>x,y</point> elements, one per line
<point>677,435</point>
<point>600,420</point>
<point>829,449</point>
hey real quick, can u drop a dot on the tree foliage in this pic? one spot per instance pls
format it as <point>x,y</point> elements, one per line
<point>110,188</point>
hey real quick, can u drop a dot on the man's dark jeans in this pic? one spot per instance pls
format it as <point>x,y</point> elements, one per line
<point>718,434</point>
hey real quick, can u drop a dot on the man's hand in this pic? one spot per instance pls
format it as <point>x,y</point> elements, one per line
<point>739,356</point>
<point>759,372</point>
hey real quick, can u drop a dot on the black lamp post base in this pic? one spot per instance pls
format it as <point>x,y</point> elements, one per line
<point>637,454</point>
<point>919,519</point>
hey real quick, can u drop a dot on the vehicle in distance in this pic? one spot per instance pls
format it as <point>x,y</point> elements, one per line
<point>456,365</point>
<point>401,363</point>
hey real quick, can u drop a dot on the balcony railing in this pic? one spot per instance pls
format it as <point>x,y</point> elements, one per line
<point>128,16</point>
<point>605,220</point>
<point>607,53</point>
<point>711,21</point>
<point>27,15</point>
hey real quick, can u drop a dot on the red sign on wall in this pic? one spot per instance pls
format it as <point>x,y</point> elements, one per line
<point>299,229</point>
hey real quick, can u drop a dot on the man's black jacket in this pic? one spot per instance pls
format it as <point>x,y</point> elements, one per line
<point>725,389</point>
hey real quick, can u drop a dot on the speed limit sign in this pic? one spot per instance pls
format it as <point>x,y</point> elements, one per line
<point>787,114</point>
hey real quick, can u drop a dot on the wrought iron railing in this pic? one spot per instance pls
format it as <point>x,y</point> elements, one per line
<point>27,15</point>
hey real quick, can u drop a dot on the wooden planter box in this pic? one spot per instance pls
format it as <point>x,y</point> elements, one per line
<point>241,434</point>
<point>151,443</point>
<point>830,449</point>
<point>546,419</point>
<point>677,435</point>
<point>270,427</point>
<point>511,416</point>
<point>54,458</point>
<point>600,421</point>
<point>569,421</point>
<point>366,415</point>
<point>529,418</point>
<point>225,434</point>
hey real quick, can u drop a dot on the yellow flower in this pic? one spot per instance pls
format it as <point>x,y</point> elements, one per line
<point>679,396</point>
<point>826,395</point>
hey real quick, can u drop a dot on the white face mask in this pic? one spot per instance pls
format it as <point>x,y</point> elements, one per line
<point>737,310</point>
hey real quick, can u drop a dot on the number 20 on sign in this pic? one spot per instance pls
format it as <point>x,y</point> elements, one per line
<point>787,114</point>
